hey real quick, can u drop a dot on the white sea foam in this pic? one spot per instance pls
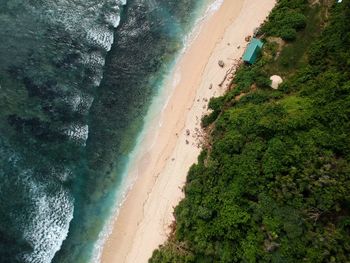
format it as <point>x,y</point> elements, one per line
<point>177,78</point>
<point>48,222</point>
<point>89,22</point>
<point>77,131</point>
<point>211,9</point>
<point>46,226</point>
<point>101,37</point>
<point>215,6</point>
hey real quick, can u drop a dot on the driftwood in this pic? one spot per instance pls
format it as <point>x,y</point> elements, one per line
<point>228,72</point>
<point>232,70</point>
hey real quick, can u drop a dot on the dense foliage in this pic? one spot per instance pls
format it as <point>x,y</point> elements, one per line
<point>287,19</point>
<point>274,185</point>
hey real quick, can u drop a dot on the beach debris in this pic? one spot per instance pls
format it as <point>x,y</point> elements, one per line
<point>247,38</point>
<point>239,46</point>
<point>221,63</point>
<point>210,86</point>
<point>230,71</point>
<point>201,139</point>
<point>256,31</point>
<point>187,142</point>
<point>172,159</point>
<point>188,132</point>
<point>275,81</point>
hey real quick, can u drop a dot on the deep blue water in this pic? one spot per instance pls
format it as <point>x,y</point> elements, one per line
<point>76,80</point>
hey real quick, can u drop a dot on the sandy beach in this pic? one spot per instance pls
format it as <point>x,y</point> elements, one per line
<point>144,219</point>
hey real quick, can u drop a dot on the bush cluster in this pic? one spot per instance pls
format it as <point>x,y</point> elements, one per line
<point>286,19</point>
<point>274,186</point>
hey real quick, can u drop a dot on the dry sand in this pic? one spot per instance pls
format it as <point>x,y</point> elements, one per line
<point>144,219</point>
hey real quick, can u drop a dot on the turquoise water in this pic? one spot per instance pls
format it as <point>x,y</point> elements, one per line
<point>76,80</point>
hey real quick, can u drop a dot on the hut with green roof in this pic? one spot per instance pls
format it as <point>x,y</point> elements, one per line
<point>251,53</point>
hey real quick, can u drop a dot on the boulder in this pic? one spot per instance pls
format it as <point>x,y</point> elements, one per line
<point>276,81</point>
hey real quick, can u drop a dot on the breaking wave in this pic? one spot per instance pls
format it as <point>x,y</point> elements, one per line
<point>52,58</point>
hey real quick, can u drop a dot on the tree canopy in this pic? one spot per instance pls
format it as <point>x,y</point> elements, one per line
<point>274,184</point>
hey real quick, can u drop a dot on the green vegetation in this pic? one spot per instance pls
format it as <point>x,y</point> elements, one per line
<point>287,19</point>
<point>274,184</point>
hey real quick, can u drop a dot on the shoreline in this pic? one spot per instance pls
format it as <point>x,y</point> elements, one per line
<point>144,219</point>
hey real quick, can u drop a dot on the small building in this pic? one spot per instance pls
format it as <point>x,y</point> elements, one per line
<point>251,53</point>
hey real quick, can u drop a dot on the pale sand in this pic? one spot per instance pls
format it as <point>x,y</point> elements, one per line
<point>144,219</point>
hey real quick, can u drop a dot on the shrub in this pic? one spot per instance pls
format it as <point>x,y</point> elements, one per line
<point>288,34</point>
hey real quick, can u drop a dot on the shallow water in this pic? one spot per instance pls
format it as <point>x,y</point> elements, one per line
<point>75,88</point>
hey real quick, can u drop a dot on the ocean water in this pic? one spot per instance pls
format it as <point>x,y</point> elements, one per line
<point>76,81</point>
